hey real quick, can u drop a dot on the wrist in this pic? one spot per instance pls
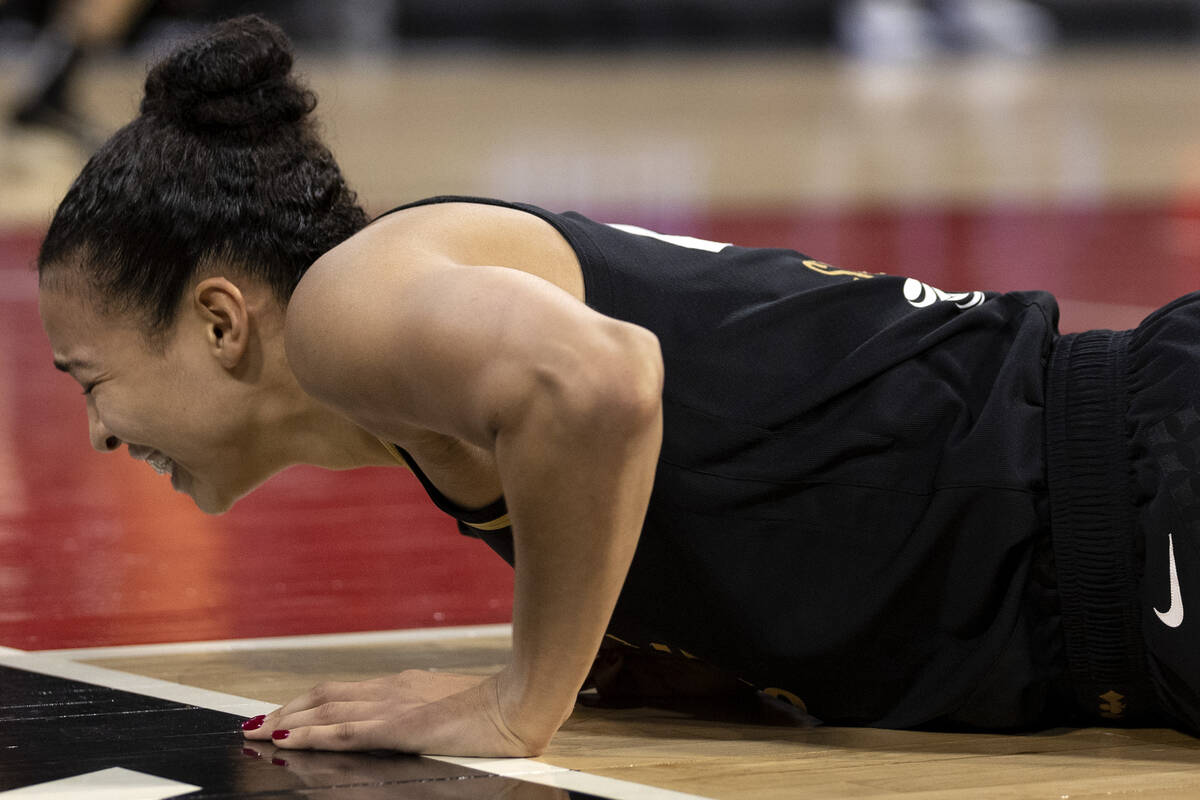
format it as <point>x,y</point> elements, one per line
<point>529,715</point>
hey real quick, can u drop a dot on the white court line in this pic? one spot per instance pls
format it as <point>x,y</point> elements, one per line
<point>10,651</point>
<point>116,783</point>
<point>287,642</point>
<point>56,664</point>
<point>138,684</point>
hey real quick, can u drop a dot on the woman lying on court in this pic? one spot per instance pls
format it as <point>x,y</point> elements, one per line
<point>887,504</point>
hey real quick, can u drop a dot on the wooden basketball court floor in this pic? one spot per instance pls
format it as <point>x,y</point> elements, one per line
<point>137,633</point>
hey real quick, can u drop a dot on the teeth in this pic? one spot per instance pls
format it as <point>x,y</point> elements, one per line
<point>161,464</point>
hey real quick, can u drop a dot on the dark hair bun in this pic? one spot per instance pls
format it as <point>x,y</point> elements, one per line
<point>235,77</point>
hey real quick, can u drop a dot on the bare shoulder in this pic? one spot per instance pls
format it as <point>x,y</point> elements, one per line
<point>464,234</point>
<point>429,296</point>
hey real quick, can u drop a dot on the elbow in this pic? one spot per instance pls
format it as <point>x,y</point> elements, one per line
<point>643,385</point>
<point>623,382</point>
<point>596,397</point>
<point>601,388</point>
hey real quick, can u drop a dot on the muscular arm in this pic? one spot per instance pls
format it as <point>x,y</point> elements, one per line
<point>569,402</point>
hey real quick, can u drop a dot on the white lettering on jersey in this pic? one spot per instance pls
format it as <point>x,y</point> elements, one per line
<point>681,241</point>
<point>920,295</point>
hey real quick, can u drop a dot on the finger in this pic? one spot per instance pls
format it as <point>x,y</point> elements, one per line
<point>342,736</point>
<point>253,727</point>
<point>329,714</point>
<point>324,714</point>
<point>328,692</point>
<point>333,692</point>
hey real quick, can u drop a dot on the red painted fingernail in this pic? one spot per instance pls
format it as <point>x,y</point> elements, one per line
<point>254,723</point>
<point>280,735</point>
<point>279,762</point>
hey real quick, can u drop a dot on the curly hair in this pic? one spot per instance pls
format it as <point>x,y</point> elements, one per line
<point>221,166</point>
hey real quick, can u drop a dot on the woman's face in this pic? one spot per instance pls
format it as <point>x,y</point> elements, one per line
<point>182,410</point>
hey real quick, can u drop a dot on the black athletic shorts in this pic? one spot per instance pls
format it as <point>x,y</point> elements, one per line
<point>1123,431</point>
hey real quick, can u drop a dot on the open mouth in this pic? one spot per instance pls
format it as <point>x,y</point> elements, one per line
<point>161,464</point>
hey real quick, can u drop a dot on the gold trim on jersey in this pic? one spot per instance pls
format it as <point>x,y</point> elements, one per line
<point>394,453</point>
<point>497,524</point>
<point>824,269</point>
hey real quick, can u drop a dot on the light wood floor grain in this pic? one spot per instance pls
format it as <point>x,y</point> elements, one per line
<point>748,754</point>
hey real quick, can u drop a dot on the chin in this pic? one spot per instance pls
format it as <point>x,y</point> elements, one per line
<point>214,506</point>
<point>210,499</point>
<point>214,509</point>
<point>217,500</point>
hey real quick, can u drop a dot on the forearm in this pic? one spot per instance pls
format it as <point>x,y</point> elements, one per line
<point>568,400</point>
<point>577,486</point>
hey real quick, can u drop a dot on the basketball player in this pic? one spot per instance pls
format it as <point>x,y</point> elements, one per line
<point>885,503</point>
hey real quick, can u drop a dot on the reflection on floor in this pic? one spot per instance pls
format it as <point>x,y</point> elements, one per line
<point>77,735</point>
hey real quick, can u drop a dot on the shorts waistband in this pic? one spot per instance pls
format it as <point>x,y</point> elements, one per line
<point>1093,524</point>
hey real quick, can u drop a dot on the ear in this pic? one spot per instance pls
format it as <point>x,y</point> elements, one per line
<point>224,313</point>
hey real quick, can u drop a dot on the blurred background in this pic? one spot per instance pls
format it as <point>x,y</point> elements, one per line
<point>974,144</point>
<point>662,106</point>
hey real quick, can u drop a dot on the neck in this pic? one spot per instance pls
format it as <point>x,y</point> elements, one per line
<point>296,429</point>
<point>334,442</point>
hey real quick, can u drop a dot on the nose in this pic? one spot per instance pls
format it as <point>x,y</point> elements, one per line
<point>102,440</point>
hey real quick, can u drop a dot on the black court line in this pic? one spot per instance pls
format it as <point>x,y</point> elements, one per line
<point>53,728</point>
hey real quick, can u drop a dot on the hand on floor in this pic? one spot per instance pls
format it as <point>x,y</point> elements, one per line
<point>413,712</point>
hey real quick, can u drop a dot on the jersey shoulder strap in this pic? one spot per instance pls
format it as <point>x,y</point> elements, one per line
<point>492,517</point>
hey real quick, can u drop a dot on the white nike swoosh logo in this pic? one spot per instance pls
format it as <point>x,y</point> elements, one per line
<point>1173,616</point>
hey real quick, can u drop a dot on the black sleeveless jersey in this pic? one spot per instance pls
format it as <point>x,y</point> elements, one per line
<point>850,496</point>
